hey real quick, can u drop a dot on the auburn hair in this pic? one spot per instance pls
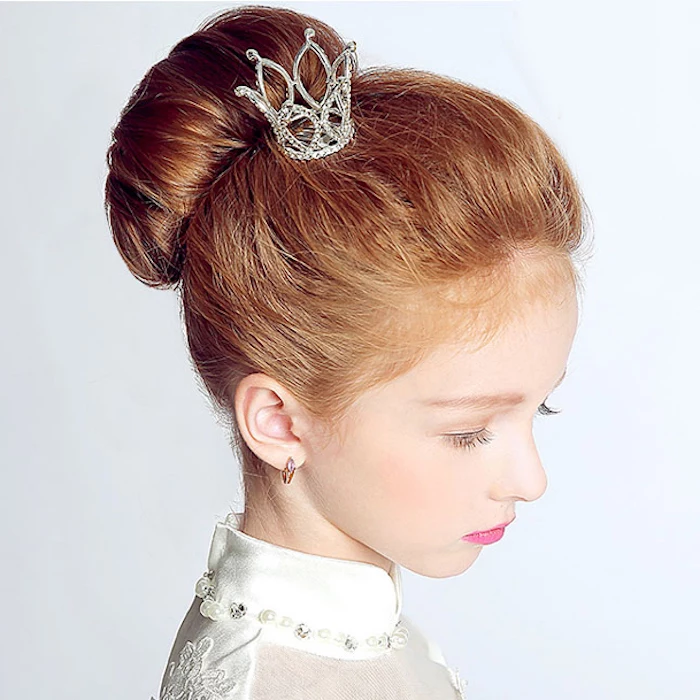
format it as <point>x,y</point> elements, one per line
<point>332,275</point>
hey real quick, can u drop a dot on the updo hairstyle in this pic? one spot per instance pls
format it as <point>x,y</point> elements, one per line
<point>334,275</point>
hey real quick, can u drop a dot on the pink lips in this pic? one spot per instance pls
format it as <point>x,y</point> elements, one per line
<point>487,536</point>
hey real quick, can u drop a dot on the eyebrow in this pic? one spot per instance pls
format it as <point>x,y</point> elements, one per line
<point>483,401</point>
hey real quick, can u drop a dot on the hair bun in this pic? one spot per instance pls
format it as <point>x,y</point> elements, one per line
<point>172,139</point>
<point>146,232</point>
<point>184,124</point>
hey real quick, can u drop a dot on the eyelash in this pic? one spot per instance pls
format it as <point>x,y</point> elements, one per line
<point>469,440</point>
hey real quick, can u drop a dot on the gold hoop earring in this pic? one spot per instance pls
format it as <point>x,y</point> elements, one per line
<point>288,471</point>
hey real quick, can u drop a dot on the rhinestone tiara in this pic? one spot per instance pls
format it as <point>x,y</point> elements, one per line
<point>324,134</point>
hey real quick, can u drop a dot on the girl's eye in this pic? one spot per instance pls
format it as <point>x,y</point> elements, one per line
<point>469,440</point>
<point>545,410</point>
<point>483,437</point>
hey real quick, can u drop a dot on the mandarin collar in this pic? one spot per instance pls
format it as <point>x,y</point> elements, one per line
<point>333,607</point>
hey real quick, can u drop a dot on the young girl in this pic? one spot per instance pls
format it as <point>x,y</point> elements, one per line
<point>379,282</point>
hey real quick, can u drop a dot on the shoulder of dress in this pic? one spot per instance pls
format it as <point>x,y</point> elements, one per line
<point>432,650</point>
<point>210,660</point>
<point>422,641</point>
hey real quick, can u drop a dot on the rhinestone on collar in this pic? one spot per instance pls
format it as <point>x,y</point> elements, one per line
<point>218,610</point>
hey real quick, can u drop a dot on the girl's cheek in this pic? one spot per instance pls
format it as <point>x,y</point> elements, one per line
<point>407,479</point>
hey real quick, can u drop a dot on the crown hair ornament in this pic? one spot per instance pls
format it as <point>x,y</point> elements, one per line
<point>327,135</point>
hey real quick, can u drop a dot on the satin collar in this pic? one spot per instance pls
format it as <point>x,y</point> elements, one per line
<point>284,587</point>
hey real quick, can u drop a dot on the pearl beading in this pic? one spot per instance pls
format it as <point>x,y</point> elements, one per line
<point>216,610</point>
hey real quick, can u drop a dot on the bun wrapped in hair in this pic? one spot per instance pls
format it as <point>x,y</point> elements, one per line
<point>184,124</point>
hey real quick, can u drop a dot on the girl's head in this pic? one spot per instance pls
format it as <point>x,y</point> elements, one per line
<point>330,303</point>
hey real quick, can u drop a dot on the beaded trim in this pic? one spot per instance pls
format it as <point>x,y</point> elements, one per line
<point>216,610</point>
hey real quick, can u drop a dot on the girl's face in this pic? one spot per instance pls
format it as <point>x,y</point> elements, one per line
<point>404,486</point>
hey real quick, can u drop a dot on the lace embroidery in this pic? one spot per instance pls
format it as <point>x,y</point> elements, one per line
<point>457,682</point>
<point>187,681</point>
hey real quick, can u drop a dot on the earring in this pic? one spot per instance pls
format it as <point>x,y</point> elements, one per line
<point>288,471</point>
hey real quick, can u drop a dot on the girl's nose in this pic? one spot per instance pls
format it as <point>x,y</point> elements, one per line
<point>522,476</point>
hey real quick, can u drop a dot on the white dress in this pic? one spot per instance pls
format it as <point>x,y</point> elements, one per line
<point>272,623</point>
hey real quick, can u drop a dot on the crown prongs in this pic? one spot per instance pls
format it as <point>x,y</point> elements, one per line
<point>326,66</point>
<point>328,136</point>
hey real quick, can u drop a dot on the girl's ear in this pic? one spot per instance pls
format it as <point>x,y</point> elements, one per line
<point>270,419</point>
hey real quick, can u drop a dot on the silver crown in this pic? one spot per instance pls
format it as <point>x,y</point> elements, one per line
<point>326,134</point>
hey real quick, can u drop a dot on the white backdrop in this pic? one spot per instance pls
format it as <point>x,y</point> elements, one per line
<point>114,471</point>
